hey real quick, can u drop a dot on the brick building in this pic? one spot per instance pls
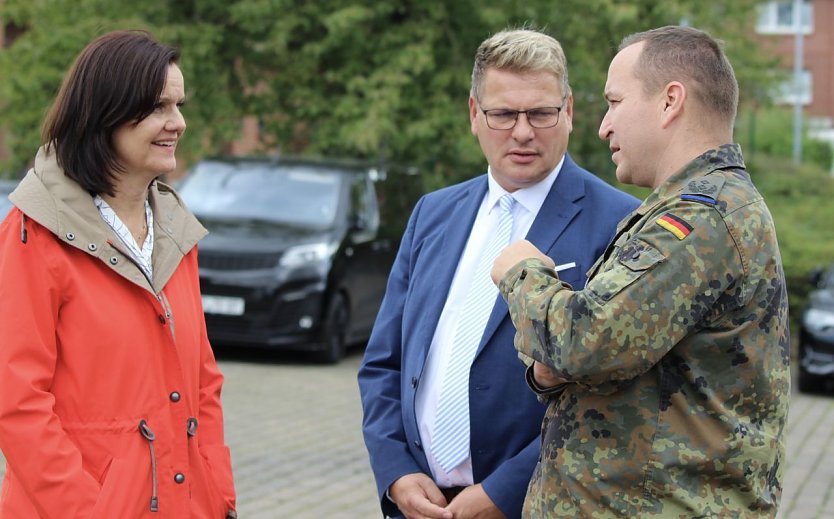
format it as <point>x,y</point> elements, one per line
<point>776,28</point>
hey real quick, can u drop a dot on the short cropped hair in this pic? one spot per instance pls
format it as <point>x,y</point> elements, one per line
<point>693,57</point>
<point>117,79</point>
<point>519,50</point>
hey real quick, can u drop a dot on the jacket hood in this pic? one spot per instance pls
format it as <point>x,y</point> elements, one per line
<point>47,196</point>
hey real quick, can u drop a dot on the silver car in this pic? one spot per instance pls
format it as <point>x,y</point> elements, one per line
<point>816,336</point>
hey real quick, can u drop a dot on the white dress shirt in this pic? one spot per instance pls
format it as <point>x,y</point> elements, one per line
<point>528,202</point>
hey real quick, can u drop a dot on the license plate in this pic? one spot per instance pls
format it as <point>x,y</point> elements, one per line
<point>223,305</point>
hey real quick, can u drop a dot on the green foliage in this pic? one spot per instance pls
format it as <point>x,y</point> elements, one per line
<point>389,80</point>
<point>31,69</point>
<point>800,200</point>
<point>770,131</point>
<point>378,79</point>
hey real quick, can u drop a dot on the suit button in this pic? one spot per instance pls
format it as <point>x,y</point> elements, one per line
<point>175,397</point>
<point>179,478</point>
<point>413,381</point>
<point>418,444</point>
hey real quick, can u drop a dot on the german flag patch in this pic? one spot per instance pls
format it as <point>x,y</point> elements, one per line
<point>675,225</point>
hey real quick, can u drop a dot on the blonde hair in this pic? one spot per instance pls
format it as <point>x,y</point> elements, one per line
<point>519,50</point>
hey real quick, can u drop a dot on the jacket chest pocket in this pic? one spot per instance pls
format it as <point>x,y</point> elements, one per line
<point>625,265</point>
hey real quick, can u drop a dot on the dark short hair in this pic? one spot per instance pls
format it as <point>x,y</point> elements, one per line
<point>116,79</point>
<point>693,57</point>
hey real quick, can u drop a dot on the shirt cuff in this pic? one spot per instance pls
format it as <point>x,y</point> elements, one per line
<point>542,392</point>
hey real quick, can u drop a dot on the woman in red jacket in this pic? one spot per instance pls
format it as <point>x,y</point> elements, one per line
<point>109,391</point>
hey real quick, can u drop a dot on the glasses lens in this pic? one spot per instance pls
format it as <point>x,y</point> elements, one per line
<point>501,119</point>
<point>543,117</point>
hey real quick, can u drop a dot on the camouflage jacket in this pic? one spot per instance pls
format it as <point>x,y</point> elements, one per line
<point>677,353</point>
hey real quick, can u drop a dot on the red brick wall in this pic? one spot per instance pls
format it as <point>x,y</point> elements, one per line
<point>818,56</point>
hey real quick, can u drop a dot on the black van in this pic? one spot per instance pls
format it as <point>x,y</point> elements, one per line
<point>299,251</point>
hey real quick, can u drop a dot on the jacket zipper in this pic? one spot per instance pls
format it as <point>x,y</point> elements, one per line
<point>169,314</point>
<point>163,301</point>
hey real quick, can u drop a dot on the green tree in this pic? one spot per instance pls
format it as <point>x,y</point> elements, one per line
<point>55,31</point>
<point>375,79</point>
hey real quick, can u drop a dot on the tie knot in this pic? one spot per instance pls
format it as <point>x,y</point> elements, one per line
<point>506,202</point>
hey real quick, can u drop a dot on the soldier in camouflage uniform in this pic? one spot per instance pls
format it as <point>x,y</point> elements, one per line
<point>667,376</point>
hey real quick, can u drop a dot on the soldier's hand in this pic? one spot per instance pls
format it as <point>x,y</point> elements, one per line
<point>474,503</point>
<point>417,497</point>
<point>514,253</point>
<point>544,376</point>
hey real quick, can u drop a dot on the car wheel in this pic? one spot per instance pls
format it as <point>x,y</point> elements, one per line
<point>809,383</point>
<point>335,330</point>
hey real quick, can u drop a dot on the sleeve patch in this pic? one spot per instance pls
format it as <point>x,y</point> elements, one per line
<point>675,225</point>
<point>704,190</point>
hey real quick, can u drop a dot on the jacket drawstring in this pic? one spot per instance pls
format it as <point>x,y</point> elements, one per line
<point>146,432</point>
<point>191,427</point>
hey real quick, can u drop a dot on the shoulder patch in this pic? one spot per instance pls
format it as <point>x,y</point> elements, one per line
<point>704,190</point>
<point>675,225</point>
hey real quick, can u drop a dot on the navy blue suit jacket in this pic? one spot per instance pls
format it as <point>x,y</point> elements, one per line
<point>575,223</point>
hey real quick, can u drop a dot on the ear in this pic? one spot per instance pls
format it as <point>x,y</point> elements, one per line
<point>566,117</point>
<point>473,115</point>
<point>674,98</point>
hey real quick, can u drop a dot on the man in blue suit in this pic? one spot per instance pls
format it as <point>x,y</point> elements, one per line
<point>521,111</point>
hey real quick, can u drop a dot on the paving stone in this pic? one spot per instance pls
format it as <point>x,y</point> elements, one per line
<point>294,428</point>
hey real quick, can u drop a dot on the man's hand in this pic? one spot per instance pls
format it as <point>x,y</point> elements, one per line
<point>544,376</point>
<point>513,254</point>
<point>474,503</point>
<point>417,497</point>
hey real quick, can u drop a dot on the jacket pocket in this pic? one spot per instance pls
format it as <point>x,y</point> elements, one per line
<point>107,503</point>
<point>217,464</point>
<point>632,261</point>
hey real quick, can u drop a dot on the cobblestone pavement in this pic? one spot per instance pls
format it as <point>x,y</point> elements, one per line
<point>294,428</point>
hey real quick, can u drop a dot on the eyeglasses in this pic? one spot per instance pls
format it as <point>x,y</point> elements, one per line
<point>542,117</point>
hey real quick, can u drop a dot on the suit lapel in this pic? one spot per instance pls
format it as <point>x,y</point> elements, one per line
<point>559,208</point>
<point>458,225</point>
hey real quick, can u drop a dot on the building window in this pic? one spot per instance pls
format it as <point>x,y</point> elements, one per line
<point>780,18</point>
<point>788,92</point>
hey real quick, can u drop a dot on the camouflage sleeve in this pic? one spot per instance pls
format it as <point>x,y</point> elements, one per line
<point>652,291</point>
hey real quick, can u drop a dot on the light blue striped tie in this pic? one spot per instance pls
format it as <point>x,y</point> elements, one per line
<point>450,443</point>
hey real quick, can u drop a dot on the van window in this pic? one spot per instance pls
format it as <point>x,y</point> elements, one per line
<point>298,195</point>
<point>364,210</point>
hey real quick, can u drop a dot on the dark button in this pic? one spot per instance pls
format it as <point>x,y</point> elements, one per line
<point>179,478</point>
<point>413,381</point>
<point>418,444</point>
<point>175,397</point>
<point>162,319</point>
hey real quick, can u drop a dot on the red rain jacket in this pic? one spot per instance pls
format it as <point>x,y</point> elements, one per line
<point>109,391</point>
